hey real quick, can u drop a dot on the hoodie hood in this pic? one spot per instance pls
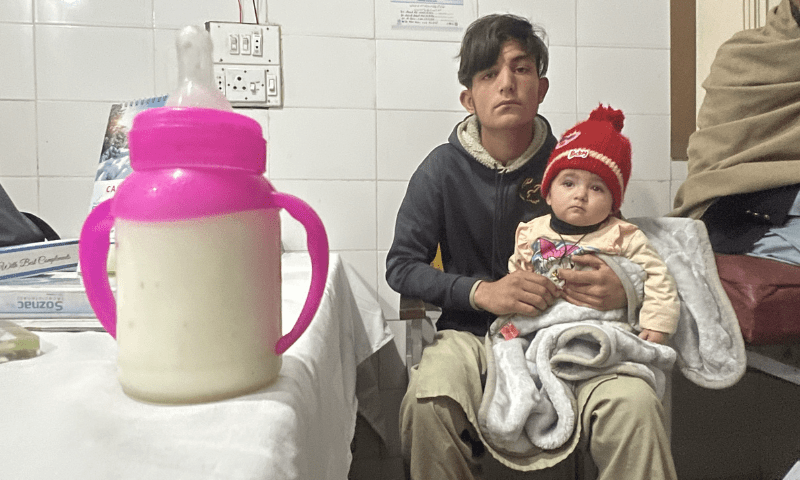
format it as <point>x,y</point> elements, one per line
<point>469,135</point>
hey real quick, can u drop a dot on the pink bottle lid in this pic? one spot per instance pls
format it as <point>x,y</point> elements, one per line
<point>191,163</point>
<point>196,137</point>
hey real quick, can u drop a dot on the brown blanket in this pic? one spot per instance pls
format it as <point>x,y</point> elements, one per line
<point>748,136</point>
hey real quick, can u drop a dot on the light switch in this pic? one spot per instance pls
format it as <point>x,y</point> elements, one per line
<point>245,44</point>
<point>233,42</point>
<point>272,85</point>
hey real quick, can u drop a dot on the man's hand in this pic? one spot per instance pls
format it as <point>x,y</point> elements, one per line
<point>597,287</point>
<point>522,292</point>
<point>653,336</point>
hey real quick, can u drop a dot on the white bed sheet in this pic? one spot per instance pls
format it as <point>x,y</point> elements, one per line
<point>63,414</point>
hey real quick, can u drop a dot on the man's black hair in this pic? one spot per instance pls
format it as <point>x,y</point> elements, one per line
<point>485,38</point>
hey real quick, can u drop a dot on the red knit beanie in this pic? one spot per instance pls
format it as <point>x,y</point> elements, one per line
<point>595,145</point>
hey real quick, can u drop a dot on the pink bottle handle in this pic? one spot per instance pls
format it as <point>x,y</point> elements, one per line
<point>317,241</point>
<point>93,254</point>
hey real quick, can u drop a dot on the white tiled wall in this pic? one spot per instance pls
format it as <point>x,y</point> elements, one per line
<point>363,102</point>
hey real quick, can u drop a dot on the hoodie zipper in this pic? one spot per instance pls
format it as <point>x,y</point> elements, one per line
<point>499,214</point>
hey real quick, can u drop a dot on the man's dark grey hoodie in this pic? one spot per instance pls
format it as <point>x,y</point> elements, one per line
<point>470,204</point>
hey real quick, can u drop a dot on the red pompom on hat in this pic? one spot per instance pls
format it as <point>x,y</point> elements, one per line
<point>598,146</point>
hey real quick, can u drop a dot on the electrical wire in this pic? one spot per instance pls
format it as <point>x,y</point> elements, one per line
<point>240,10</point>
<point>255,10</point>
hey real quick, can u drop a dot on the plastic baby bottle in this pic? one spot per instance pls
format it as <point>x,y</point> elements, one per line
<point>197,315</point>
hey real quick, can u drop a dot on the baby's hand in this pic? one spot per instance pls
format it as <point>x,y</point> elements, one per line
<point>654,336</point>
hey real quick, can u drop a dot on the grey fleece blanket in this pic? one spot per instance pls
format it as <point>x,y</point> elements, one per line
<point>529,399</point>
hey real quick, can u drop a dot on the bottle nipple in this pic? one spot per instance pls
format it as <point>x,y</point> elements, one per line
<point>196,72</point>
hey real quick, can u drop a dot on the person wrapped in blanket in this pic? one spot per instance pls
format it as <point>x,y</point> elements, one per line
<point>584,185</point>
<point>536,360</point>
<point>744,158</point>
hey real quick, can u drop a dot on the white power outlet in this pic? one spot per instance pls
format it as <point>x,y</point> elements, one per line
<point>264,93</point>
<point>219,79</point>
<point>245,84</point>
